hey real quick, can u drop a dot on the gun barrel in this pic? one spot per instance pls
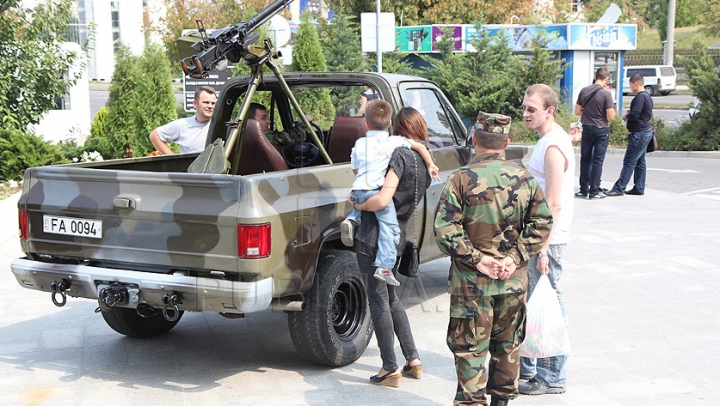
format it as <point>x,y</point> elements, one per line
<point>264,15</point>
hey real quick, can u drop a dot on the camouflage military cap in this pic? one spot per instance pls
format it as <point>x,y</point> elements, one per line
<point>492,123</point>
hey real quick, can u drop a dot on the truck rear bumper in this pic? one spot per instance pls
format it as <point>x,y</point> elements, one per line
<point>147,288</point>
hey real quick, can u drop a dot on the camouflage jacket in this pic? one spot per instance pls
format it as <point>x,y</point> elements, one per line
<point>490,207</point>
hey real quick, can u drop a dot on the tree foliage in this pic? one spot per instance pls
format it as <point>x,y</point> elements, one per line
<point>710,17</point>
<point>493,79</point>
<point>141,99</point>
<point>475,80</point>
<point>341,45</point>
<point>121,102</point>
<point>307,57</point>
<point>32,61</point>
<point>99,135</point>
<point>395,62</point>
<point>182,14</point>
<point>154,97</point>
<point>704,131</point>
<point>20,150</point>
<point>536,68</point>
<point>413,12</point>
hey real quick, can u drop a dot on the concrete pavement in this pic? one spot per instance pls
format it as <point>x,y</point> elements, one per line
<point>642,276</point>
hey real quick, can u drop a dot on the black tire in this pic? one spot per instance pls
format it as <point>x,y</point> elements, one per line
<point>130,323</point>
<point>335,327</point>
<point>665,93</point>
<point>649,90</point>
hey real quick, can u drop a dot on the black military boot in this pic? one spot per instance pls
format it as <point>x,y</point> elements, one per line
<point>498,401</point>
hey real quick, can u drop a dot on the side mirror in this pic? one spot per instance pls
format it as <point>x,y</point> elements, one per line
<point>468,138</point>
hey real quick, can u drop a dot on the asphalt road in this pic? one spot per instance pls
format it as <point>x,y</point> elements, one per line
<point>682,175</point>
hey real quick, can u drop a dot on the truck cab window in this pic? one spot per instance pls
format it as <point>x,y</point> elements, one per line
<point>440,125</point>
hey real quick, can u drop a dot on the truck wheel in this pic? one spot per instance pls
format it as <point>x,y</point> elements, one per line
<point>130,323</point>
<point>650,90</point>
<point>335,327</point>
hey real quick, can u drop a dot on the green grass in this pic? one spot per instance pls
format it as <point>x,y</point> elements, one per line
<point>650,39</point>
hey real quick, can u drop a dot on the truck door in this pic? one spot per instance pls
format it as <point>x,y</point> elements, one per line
<point>447,145</point>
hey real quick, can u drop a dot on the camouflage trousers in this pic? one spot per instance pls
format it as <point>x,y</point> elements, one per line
<point>497,326</point>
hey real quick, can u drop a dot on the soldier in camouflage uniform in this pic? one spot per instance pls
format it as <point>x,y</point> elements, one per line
<point>491,218</point>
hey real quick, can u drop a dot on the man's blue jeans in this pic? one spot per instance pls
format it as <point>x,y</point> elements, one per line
<point>592,155</point>
<point>388,229</point>
<point>550,371</point>
<point>634,161</point>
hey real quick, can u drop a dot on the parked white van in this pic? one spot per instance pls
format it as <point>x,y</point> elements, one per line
<point>658,79</point>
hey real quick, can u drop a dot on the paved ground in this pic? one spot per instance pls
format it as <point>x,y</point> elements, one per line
<point>642,281</point>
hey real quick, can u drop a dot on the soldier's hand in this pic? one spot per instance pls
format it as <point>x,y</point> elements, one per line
<point>509,267</point>
<point>433,170</point>
<point>489,266</point>
<point>542,265</point>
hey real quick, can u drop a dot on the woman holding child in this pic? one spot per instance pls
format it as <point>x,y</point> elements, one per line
<point>407,175</point>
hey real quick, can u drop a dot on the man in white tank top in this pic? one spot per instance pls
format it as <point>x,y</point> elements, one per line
<point>553,165</point>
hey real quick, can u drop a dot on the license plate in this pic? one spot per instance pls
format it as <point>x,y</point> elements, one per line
<point>72,226</point>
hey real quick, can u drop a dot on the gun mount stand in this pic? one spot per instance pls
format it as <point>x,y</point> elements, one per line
<point>255,57</point>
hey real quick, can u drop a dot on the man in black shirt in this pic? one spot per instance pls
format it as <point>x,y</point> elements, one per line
<point>640,133</point>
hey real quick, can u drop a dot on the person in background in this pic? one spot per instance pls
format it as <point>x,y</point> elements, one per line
<point>639,135</point>
<point>597,110</point>
<point>491,219</point>
<point>367,95</point>
<point>189,133</point>
<point>405,184</point>
<point>552,163</point>
<point>259,113</point>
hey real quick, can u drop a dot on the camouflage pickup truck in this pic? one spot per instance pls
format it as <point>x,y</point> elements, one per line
<point>148,240</point>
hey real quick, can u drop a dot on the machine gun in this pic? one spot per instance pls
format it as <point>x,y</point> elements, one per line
<point>230,43</point>
<point>233,44</point>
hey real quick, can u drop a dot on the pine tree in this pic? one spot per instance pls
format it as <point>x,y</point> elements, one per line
<point>476,80</point>
<point>99,140</point>
<point>341,45</point>
<point>155,102</point>
<point>307,57</point>
<point>121,102</point>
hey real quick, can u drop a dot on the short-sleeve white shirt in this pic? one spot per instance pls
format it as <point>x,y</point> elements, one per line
<point>559,138</point>
<point>188,133</point>
<point>370,157</point>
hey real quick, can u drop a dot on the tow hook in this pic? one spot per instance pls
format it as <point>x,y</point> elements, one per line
<point>59,288</point>
<point>171,301</point>
<point>111,296</point>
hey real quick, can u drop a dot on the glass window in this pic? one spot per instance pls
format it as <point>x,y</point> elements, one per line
<point>115,19</point>
<point>440,125</point>
<point>610,61</point>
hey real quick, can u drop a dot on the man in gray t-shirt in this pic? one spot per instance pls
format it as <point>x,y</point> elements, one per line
<point>595,105</point>
<point>191,132</point>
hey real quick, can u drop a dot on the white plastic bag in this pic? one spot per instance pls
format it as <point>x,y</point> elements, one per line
<point>545,331</point>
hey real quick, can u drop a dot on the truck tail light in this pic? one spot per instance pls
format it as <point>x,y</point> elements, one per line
<point>23,223</point>
<point>254,240</point>
<point>659,81</point>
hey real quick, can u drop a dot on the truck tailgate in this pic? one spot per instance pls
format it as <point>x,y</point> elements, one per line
<point>169,220</point>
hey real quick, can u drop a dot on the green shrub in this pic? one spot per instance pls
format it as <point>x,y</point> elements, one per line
<point>618,133</point>
<point>20,150</point>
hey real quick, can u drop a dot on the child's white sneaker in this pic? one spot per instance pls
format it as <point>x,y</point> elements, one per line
<point>386,275</point>
<point>347,230</point>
